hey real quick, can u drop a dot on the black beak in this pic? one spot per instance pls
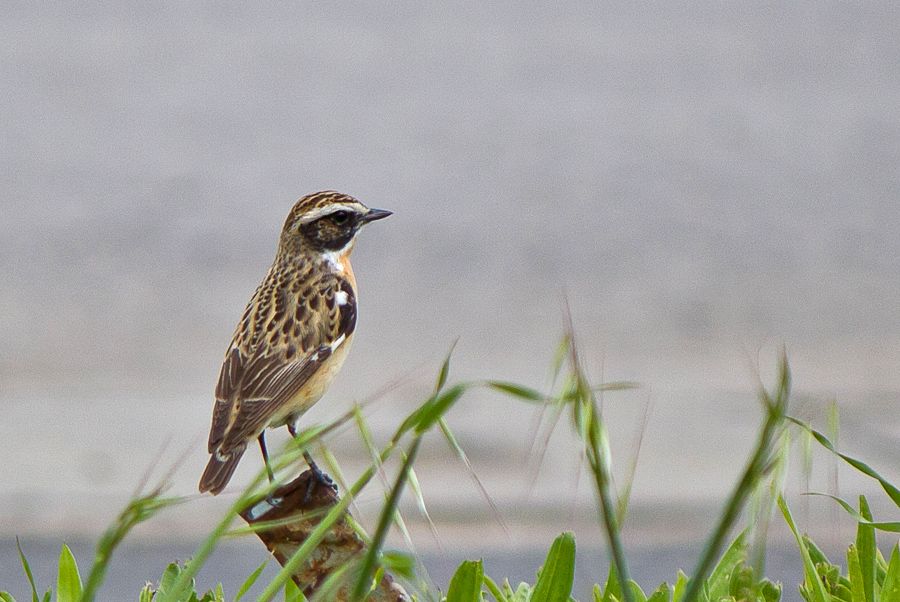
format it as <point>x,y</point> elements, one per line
<point>375,214</point>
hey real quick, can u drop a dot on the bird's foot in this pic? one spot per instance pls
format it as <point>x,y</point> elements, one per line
<point>317,478</point>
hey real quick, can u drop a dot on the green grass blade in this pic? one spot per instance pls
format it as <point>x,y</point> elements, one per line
<point>334,467</point>
<point>590,428</point>
<point>563,351</point>
<point>889,488</point>
<point>423,417</point>
<point>862,521</point>
<point>445,369</point>
<point>880,568</point>
<point>423,508</point>
<point>720,577</point>
<point>814,585</point>
<point>663,593</point>
<point>399,563</point>
<point>681,583</point>
<point>495,591</point>
<point>759,464</point>
<point>68,579</point>
<point>890,588</point>
<point>365,433</point>
<point>466,583</point>
<point>637,594</point>
<point>815,552</point>
<point>517,391</point>
<point>742,585</point>
<point>364,582</point>
<point>168,578</point>
<point>597,452</point>
<point>619,385</point>
<point>625,494</point>
<point>292,593</point>
<point>438,407</point>
<point>855,575</point>
<point>613,589</point>
<point>865,550</point>
<point>6,597</point>
<point>558,573</point>
<point>464,458</point>
<point>540,442</point>
<point>27,568</point>
<point>138,510</point>
<point>769,592</point>
<point>248,583</point>
<point>338,578</point>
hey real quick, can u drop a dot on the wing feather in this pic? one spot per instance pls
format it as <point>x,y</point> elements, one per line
<point>256,412</point>
<point>272,357</point>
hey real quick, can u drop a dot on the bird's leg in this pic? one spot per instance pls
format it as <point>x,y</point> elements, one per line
<point>320,476</point>
<point>317,475</point>
<point>265,453</point>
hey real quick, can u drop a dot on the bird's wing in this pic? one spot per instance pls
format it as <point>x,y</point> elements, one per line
<point>292,345</point>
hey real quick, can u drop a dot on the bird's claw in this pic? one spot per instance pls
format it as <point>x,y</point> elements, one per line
<point>317,477</point>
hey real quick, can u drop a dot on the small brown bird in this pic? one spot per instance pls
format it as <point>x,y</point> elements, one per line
<point>294,334</point>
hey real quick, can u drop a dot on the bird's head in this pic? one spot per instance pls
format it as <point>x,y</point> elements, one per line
<point>325,222</point>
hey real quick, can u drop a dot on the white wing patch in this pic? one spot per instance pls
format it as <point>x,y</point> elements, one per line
<point>341,298</point>
<point>337,342</point>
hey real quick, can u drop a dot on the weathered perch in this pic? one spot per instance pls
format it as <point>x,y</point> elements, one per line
<point>299,514</point>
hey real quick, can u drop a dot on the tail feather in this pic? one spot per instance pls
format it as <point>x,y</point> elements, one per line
<point>219,470</point>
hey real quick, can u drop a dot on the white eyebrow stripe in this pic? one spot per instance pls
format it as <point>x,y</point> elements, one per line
<point>332,208</point>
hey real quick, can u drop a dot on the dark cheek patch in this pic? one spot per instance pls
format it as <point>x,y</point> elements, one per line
<point>325,235</point>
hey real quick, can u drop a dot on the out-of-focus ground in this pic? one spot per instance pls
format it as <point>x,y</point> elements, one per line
<point>701,184</point>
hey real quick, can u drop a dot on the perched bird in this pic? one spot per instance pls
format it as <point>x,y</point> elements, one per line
<point>294,334</point>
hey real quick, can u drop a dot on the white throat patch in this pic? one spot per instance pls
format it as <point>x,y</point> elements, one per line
<point>333,259</point>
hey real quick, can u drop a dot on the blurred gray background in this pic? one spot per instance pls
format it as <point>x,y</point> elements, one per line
<point>700,183</point>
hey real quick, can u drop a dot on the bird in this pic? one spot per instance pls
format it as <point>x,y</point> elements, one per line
<point>293,336</point>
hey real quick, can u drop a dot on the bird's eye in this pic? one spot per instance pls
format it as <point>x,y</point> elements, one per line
<point>340,217</point>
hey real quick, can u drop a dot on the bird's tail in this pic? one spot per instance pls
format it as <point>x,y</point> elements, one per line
<point>219,470</point>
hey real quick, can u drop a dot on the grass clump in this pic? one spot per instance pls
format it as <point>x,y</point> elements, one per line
<point>723,572</point>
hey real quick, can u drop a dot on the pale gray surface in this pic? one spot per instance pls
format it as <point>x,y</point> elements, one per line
<point>701,183</point>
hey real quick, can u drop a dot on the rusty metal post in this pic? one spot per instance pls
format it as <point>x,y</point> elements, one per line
<point>300,512</point>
